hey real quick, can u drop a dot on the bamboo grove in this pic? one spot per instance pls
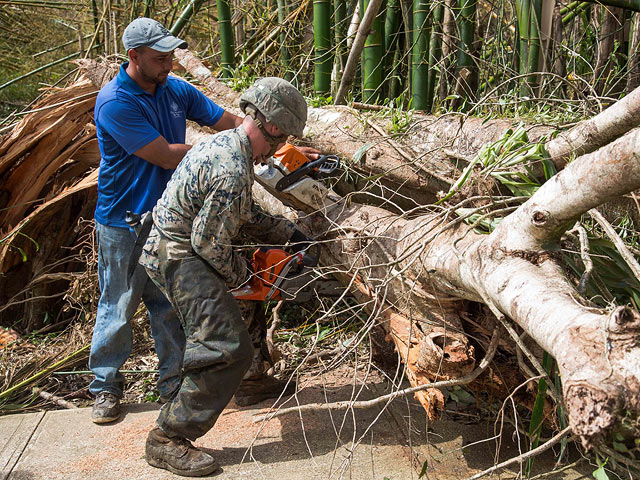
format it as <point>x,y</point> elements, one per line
<point>428,55</point>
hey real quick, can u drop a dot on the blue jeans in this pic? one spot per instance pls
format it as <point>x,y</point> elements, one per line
<point>112,335</point>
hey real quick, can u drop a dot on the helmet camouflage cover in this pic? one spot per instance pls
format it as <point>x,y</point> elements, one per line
<point>280,102</point>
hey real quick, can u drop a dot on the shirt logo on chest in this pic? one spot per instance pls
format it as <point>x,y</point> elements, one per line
<point>175,111</point>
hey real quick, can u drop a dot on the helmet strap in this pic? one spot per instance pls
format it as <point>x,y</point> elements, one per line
<point>273,141</point>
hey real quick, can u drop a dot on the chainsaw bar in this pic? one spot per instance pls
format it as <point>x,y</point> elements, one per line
<point>307,285</point>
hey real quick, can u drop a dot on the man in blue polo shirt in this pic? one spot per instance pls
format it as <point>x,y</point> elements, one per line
<point>141,124</point>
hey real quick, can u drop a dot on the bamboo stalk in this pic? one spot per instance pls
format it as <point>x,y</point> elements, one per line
<point>575,12</point>
<point>372,60</point>
<point>435,53</point>
<point>633,55</point>
<point>535,22</point>
<point>40,69</point>
<point>356,50</point>
<point>148,7</point>
<point>522,15</point>
<point>66,44</point>
<point>186,16</point>
<point>285,56</point>
<point>448,35</point>
<point>633,5</point>
<point>340,36</point>
<point>466,67</point>
<point>274,33</point>
<point>226,37</point>
<point>392,35</point>
<point>420,54</point>
<point>322,47</point>
<point>58,5</point>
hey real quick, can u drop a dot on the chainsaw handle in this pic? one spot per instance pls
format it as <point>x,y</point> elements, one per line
<point>325,164</point>
<point>329,163</point>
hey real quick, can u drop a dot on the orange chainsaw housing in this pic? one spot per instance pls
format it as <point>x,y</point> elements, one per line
<point>290,157</point>
<point>267,265</point>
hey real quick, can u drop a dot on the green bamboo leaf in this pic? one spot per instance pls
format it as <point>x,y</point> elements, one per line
<point>423,472</point>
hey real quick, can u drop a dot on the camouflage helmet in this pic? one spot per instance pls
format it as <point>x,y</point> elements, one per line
<point>280,102</point>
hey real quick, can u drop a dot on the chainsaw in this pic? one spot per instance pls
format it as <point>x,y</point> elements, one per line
<point>290,172</point>
<point>280,275</point>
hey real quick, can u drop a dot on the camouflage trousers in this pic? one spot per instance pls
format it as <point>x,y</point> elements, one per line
<point>218,349</point>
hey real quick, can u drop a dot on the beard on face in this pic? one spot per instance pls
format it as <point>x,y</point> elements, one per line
<point>157,79</point>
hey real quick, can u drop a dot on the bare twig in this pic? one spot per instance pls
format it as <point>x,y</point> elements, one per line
<point>270,331</point>
<point>583,241</point>
<point>617,241</point>
<point>524,456</point>
<point>50,397</point>
<point>366,106</point>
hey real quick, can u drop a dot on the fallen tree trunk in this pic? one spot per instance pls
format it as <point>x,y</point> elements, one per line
<point>516,272</point>
<point>417,273</point>
<point>46,186</point>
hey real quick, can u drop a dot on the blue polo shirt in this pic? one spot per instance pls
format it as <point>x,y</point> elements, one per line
<point>128,118</point>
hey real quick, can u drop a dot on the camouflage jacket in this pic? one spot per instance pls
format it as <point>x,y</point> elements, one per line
<point>207,205</point>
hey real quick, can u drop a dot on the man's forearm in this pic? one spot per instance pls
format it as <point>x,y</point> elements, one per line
<point>164,154</point>
<point>227,121</point>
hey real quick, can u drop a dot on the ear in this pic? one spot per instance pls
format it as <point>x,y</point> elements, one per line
<point>273,130</point>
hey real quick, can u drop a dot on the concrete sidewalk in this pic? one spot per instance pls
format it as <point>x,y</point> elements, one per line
<point>363,444</point>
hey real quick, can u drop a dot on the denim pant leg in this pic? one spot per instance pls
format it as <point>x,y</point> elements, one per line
<point>168,337</point>
<point>112,336</point>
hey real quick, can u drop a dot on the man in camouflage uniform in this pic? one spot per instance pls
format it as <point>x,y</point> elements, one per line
<point>189,253</point>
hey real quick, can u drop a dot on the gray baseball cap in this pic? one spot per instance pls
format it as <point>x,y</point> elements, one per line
<point>145,32</point>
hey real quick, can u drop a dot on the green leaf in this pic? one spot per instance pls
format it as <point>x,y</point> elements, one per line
<point>537,414</point>
<point>600,474</point>
<point>620,447</point>
<point>460,395</point>
<point>361,151</point>
<point>423,472</point>
<point>24,255</point>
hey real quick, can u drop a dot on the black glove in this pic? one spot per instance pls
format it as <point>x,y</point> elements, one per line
<point>299,241</point>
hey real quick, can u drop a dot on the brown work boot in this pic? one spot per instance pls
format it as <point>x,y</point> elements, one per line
<point>177,455</point>
<point>106,408</point>
<point>254,390</point>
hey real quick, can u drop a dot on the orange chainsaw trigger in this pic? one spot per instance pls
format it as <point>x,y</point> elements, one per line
<point>290,157</point>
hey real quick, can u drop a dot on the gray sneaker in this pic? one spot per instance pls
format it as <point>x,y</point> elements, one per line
<point>177,455</point>
<point>106,409</point>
